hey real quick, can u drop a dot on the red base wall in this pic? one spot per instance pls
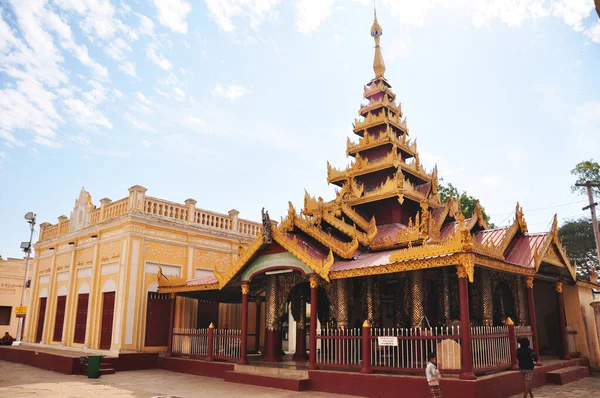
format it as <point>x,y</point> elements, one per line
<point>55,363</point>
<point>195,367</point>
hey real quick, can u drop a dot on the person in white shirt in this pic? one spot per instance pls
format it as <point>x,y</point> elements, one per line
<point>433,376</point>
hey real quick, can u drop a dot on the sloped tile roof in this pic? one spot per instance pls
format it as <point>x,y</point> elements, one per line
<point>521,250</point>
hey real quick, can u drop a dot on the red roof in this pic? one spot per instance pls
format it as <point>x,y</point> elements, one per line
<point>368,260</point>
<point>423,188</point>
<point>437,213</point>
<point>203,280</point>
<point>450,228</point>
<point>522,248</point>
<point>388,230</point>
<point>495,236</point>
<point>305,243</point>
<point>363,260</point>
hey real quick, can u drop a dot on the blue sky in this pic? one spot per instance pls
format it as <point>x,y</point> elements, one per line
<point>240,103</point>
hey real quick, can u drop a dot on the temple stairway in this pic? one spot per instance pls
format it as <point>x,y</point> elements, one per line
<point>285,378</point>
<point>567,375</point>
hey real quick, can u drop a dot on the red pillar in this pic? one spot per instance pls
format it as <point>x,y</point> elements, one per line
<point>465,326</point>
<point>171,325</point>
<point>258,326</point>
<point>532,321</point>
<point>314,297</point>
<point>366,348</point>
<point>209,342</point>
<point>512,340</point>
<point>562,320</point>
<point>300,354</point>
<point>244,343</point>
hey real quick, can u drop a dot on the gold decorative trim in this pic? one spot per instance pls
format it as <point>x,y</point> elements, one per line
<point>342,249</point>
<point>188,288</point>
<point>370,227</point>
<point>245,288</point>
<point>224,277</point>
<point>559,287</point>
<point>320,267</point>
<point>168,281</point>
<point>400,266</point>
<point>314,282</point>
<point>503,266</point>
<point>458,242</point>
<point>529,282</point>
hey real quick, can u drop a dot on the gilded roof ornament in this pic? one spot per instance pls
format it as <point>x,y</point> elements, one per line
<point>376,32</point>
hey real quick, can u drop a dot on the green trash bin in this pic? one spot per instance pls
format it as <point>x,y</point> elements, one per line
<point>94,366</point>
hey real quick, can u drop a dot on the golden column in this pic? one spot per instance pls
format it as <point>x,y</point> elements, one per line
<point>417,296</point>
<point>521,301</point>
<point>486,297</point>
<point>272,346</point>
<point>342,303</point>
<point>446,294</point>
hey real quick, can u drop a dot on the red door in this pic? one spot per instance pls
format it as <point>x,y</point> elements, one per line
<point>41,319</point>
<point>157,320</point>
<point>108,310</point>
<point>81,318</point>
<point>59,321</point>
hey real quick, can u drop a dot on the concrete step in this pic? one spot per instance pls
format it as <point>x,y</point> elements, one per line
<point>280,382</point>
<point>107,371</point>
<point>567,375</point>
<point>284,372</point>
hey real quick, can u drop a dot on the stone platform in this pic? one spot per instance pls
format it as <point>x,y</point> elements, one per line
<point>67,360</point>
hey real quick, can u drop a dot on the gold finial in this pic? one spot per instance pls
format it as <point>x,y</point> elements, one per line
<point>376,32</point>
<point>509,322</point>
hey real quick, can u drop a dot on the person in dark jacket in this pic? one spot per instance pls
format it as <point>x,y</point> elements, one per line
<point>527,359</point>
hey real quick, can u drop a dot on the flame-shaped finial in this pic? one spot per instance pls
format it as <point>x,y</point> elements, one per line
<point>376,32</point>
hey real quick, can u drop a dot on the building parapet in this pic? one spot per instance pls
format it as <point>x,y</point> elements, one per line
<point>86,214</point>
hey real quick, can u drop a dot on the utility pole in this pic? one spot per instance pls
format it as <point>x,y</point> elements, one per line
<point>592,207</point>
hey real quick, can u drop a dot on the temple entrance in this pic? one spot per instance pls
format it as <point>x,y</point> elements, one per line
<point>41,319</point>
<point>108,309</point>
<point>547,318</point>
<point>504,304</point>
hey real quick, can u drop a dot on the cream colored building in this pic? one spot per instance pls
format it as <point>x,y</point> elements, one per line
<point>12,272</point>
<point>94,274</point>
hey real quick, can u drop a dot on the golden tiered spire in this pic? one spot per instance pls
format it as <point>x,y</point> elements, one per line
<point>376,32</point>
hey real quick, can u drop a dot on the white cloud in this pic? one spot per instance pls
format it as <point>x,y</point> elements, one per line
<point>157,58</point>
<point>310,14</point>
<point>137,123</point>
<point>179,94</point>
<point>223,11</point>
<point>98,16</point>
<point>142,98</point>
<point>594,32</point>
<point>47,142</point>
<point>172,14</point>
<point>117,93</point>
<point>231,92</point>
<point>117,49</point>
<point>146,25</point>
<point>128,68</point>
<point>192,121</point>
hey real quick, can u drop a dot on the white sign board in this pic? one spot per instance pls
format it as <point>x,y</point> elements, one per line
<point>387,341</point>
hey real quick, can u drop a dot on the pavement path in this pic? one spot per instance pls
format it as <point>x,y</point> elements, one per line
<point>583,388</point>
<point>18,380</point>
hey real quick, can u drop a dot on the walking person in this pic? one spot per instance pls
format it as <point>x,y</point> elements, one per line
<point>527,359</point>
<point>433,376</point>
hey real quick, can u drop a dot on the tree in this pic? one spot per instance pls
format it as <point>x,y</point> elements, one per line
<point>467,202</point>
<point>586,171</point>
<point>578,239</point>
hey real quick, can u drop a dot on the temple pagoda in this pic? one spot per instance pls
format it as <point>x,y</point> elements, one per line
<point>387,253</point>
